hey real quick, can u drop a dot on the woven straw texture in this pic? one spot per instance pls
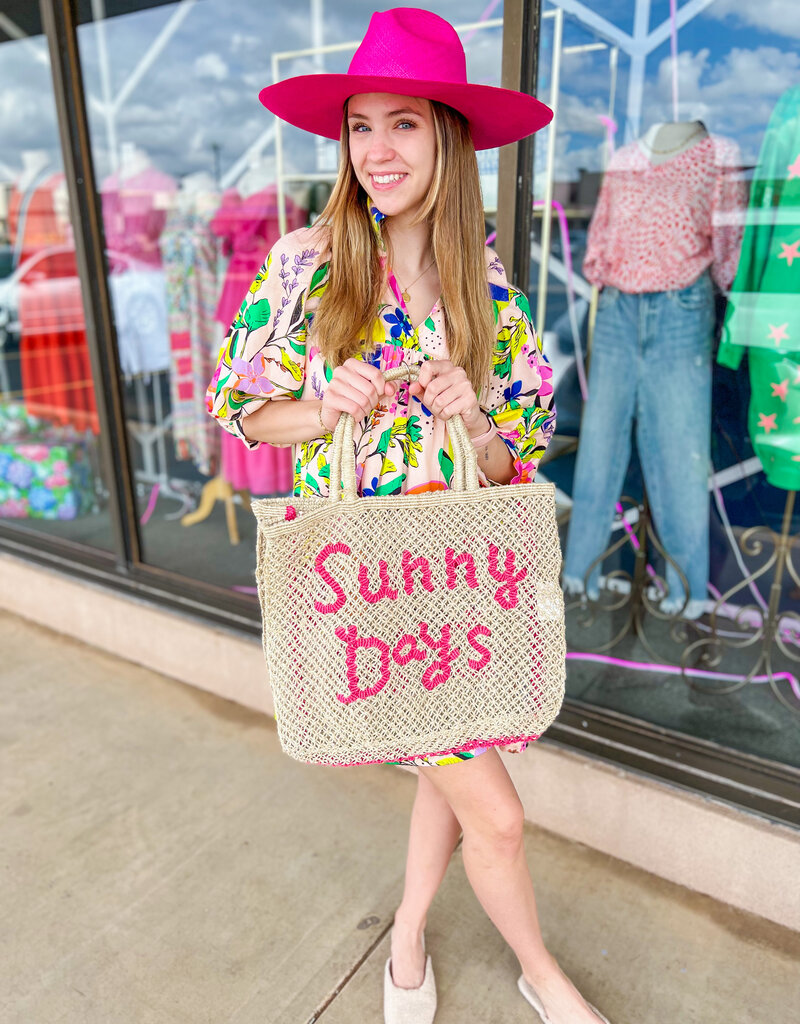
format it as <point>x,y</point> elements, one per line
<point>398,627</point>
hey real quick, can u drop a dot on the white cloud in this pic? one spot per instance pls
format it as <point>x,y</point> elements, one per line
<point>581,114</point>
<point>244,44</point>
<point>211,65</point>
<point>734,96</point>
<point>765,71</point>
<point>691,68</point>
<point>734,93</point>
<point>570,161</point>
<point>779,16</point>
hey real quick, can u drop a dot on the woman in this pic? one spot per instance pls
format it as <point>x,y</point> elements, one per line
<point>396,271</point>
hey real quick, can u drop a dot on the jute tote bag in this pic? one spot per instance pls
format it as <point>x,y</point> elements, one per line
<point>404,626</point>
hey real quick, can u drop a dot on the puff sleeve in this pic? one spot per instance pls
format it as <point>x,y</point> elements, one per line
<point>519,398</point>
<point>263,357</point>
<point>729,201</point>
<point>595,262</point>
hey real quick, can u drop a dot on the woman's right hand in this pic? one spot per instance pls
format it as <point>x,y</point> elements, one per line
<point>356,387</point>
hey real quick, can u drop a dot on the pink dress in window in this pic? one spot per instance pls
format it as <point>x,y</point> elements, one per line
<point>248,229</point>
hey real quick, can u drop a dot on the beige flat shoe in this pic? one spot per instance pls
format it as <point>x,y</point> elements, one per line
<point>409,1005</point>
<point>530,994</point>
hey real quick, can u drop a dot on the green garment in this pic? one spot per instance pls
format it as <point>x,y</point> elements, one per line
<point>763,313</point>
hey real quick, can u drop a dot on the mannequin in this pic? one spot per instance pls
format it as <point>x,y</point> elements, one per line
<point>655,242</point>
<point>38,214</point>
<point>133,207</point>
<point>135,203</point>
<point>258,175</point>
<point>198,182</point>
<point>132,160</point>
<point>198,193</point>
<point>34,163</point>
<point>54,365</point>
<point>665,140</point>
<point>248,228</point>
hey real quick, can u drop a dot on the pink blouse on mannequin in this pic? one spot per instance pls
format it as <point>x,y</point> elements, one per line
<point>135,211</point>
<point>658,227</point>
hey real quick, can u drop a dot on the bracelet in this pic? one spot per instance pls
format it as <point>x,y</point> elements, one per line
<point>321,421</point>
<point>483,439</point>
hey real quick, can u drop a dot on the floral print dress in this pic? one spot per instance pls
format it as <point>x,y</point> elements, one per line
<point>401,448</point>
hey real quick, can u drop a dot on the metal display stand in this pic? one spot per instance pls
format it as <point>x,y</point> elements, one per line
<point>643,591</point>
<point>150,436</point>
<point>776,629</point>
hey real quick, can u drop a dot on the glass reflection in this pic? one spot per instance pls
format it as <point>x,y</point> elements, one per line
<point>663,259</point>
<point>50,481</point>
<point>197,182</point>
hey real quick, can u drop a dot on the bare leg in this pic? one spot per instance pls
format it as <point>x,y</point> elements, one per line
<point>483,797</point>
<point>433,834</point>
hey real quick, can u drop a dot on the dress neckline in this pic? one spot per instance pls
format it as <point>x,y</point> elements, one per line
<point>671,159</point>
<point>398,296</point>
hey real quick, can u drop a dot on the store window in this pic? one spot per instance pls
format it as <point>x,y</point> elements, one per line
<point>196,181</point>
<point>666,280</point>
<point>50,478</point>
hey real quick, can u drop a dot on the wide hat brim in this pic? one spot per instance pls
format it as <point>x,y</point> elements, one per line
<point>496,116</point>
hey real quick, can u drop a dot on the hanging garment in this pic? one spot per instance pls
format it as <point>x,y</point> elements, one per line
<point>139,300</point>
<point>248,228</point>
<point>55,371</point>
<point>189,253</point>
<point>135,211</point>
<point>35,219</point>
<point>268,471</point>
<point>651,360</point>
<point>54,358</point>
<point>763,314</point>
<point>657,228</point>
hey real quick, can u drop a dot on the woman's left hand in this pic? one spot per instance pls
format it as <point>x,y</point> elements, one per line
<point>445,390</point>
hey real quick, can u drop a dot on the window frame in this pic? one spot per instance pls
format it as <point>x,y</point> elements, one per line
<point>764,787</point>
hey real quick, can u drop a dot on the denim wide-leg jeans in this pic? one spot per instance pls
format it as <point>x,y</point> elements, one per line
<point>651,361</point>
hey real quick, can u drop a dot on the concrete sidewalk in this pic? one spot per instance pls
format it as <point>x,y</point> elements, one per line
<point>163,861</point>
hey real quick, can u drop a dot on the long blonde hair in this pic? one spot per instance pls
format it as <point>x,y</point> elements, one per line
<point>348,308</point>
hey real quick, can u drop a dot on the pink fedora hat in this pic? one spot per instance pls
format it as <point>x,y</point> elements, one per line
<point>410,52</point>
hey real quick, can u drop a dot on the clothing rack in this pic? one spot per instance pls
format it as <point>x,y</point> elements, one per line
<point>150,436</point>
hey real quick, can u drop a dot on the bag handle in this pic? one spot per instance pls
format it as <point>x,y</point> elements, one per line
<point>343,466</point>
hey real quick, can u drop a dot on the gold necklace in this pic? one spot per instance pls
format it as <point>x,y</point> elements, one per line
<point>405,291</point>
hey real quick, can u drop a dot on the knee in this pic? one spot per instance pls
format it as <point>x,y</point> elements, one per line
<point>499,834</point>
